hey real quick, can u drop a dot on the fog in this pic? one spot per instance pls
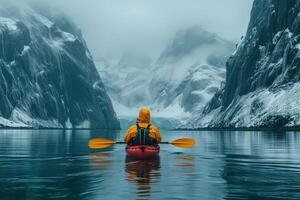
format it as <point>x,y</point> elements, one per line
<point>112,27</point>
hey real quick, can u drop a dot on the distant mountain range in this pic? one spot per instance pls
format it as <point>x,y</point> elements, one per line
<point>182,80</point>
<point>48,77</point>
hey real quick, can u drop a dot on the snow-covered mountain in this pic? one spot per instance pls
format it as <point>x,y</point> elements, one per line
<point>189,71</point>
<point>47,74</point>
<point>183,79</point>
<point>262,80</point>
<point>125,79</point>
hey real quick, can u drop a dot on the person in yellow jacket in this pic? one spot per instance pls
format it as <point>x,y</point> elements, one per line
<point>143,133</point>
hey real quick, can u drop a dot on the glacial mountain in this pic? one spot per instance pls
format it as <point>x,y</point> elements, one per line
<point>125,79</point>
<point>47,74</point>
<point>262,79</point>
<point>184,77</point>
<point>189,71</point>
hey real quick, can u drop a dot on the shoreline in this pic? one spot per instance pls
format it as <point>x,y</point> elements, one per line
<point>42,128</point>
<point>281,129</point>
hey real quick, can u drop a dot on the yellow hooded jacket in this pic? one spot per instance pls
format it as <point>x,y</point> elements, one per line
<point>143,121</point>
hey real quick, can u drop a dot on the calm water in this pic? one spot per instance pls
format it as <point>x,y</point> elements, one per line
<point>54,164</point>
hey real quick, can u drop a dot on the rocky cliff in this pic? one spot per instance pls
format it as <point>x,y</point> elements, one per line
<point>262,86</point>
<point>47,74</point>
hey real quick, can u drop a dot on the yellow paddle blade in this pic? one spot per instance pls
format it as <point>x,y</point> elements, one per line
<point>183,142</point>
<point>100,143</point>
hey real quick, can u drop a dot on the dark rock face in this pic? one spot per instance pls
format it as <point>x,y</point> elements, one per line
<point>47,74</point>
<point>262,77</point>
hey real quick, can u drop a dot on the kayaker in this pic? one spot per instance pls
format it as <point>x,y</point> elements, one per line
<point>143,133</point>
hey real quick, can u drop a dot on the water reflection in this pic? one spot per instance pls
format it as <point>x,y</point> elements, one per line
<point>185,161</point>
<point>36,163</point>
<point>101,160</point>
<point>252,142</point>
<point>143,173</point>
<point>43,164</point>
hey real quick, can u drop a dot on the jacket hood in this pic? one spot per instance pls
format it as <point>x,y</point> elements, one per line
<point>144,115</point>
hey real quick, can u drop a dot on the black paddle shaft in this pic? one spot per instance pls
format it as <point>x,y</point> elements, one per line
<point>119,142</point>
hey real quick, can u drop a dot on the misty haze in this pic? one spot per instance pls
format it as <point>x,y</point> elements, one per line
<point>149,99</point>
<point>130,40</point>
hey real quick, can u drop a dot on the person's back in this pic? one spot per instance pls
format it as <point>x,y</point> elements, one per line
<point>143,133</point>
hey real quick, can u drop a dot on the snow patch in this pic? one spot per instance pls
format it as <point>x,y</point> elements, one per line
<point>88,54</point>
<point>40,18</point>
<point>20,117</point>
<point>68,37</point>
<point>9,23</point>
<point>238,46</point>
<point>174,110</point>
<point>84,124</point>
<point>276,37</point>
<point>290,34</point>
<point>68,124</point>
<point>8,123</point>
<point>25,49</point>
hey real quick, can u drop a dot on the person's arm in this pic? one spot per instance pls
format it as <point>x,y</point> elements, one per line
<point>155,134</point>
<point>131,132</point>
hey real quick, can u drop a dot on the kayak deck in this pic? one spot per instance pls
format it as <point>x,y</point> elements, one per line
<point>142,151</point>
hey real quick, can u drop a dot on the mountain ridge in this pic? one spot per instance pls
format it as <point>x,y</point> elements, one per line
<point>48,77</point>
<point>262,81</point>
<point>170,85</point>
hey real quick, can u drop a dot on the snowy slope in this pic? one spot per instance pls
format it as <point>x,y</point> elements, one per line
<point>183,79</point>
<point>47,74</point>
<point>262,79</point>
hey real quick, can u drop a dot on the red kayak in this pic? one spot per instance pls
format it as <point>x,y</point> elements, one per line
<point>142,151</point>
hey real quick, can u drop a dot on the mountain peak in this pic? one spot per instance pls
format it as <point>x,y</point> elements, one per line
<point>47,75</point>
<point>262,78</point>
<point>187,41</point>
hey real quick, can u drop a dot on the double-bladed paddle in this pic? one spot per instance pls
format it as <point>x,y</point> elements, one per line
<point>100,143</point>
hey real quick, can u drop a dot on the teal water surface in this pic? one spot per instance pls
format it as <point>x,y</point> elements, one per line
<point>57,164</point>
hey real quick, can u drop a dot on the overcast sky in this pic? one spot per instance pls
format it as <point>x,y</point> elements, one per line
<point>112,27</point>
